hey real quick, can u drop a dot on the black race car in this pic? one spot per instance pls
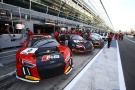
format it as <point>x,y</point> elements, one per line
<point>76,43</point>
<point>96,40</point>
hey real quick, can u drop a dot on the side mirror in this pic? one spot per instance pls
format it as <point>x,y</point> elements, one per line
<point>22,43</point>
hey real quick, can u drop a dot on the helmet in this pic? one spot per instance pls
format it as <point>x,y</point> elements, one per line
<point>27,29</point>
<point>63,29</point>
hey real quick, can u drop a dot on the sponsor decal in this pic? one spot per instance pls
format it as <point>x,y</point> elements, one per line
<point>48,57</point>
<point>29,50</point>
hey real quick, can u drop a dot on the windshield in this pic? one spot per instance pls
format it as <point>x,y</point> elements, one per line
<point>97,37</point>
<point>77,37</point>
<point>36,43</point>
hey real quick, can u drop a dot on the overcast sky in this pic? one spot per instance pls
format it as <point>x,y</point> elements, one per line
<point>121,13</point>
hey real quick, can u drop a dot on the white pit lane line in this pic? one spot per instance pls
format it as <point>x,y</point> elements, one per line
<point>7,51</point>
<point>129,39</point>
<point>120,70</point>
<point>8,74</point>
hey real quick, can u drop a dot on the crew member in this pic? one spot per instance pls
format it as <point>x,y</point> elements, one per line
<point>80,32</point>
<point>88,35</point>
<point>116,36</point>
<point>29,33</point>
<point>121,36</point>
<point>110,36</point>
<point>56,34</point>
<point>72,31</point>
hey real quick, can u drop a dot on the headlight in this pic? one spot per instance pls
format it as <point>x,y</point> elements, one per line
<point>28,64</point>
<point>79,46</point>
<point>76,41</point>
<point>95,42</point>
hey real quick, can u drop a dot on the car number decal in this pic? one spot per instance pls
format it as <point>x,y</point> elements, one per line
<point>48,57</point>
<point>29,50</point>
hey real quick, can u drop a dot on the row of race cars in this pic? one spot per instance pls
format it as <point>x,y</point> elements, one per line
<point>43,56</point>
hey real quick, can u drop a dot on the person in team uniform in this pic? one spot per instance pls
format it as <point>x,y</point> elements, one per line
<point>116,36</point>
<point>121,35</point>
<point>80,32</point>
<point>29,32</point>
<point>56,34</point>
<point>88,35</point>
<point>110,36</point>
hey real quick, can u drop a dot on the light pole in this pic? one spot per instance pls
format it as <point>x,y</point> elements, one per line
<point>30,10</point>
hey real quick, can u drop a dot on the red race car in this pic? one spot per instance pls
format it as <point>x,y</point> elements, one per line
<point>42,57</point>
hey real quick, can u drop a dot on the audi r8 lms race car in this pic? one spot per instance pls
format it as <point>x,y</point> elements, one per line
<point>96,40</point>
<point>76,43</point>
<point>42,57</point>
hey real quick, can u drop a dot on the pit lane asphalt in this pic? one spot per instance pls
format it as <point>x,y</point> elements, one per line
<point>127,54</point>
<point>57,82</point>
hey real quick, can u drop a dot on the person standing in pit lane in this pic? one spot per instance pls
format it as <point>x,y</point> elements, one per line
<point>121,35</point>
<point>110,36</point>
<point>88,35</point>
<point>29,32</point>
<point>80,32</point>
<point>116,36</point>
<point>56,34</point>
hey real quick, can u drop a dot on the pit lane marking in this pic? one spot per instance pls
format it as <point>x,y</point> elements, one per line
<point>7,56</point>
<point>129,40</point>
<point>8,74</point>
<point>120,70</point>
<point>7,51</point>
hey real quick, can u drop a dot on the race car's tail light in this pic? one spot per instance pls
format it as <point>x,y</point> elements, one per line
<point>32,78</point>
<point>28,64</point>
